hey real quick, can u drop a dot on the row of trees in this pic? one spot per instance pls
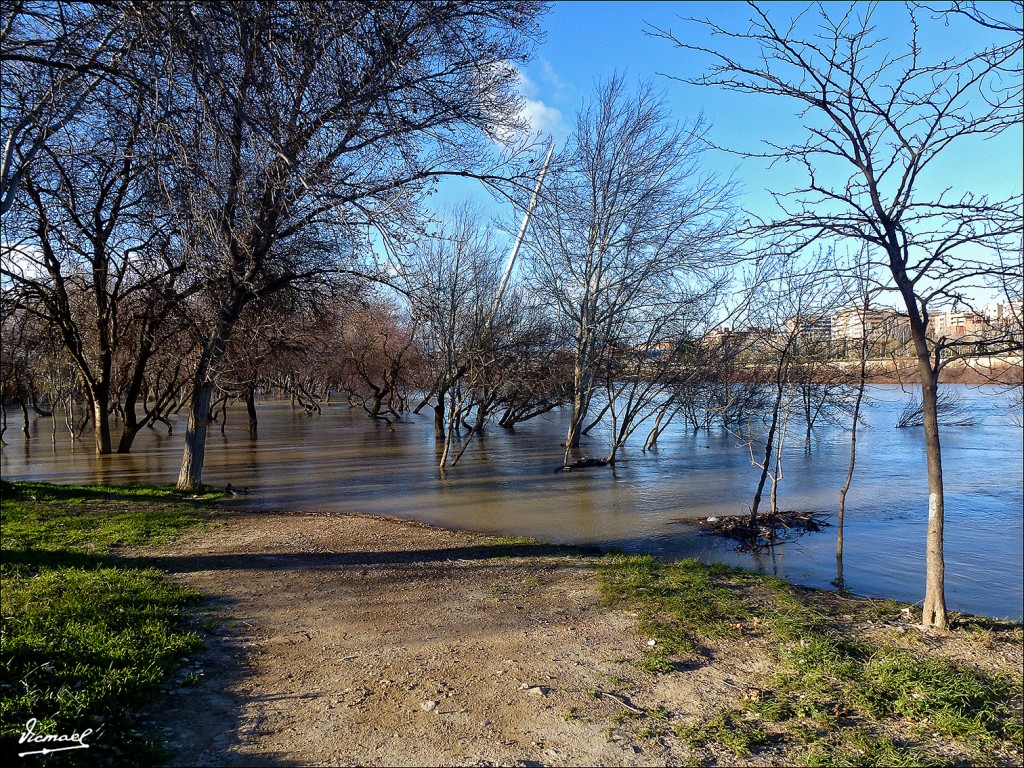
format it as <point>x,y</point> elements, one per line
<point>203,201</point>
<point>211,156</point>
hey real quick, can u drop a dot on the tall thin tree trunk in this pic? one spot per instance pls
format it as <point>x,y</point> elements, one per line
<point>769,444</point>
<point>934,610</point>
<point>655,433</point>
<point>250,408</point>
<point>853,461</point>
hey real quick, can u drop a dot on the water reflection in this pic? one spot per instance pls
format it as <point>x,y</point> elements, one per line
<point>507,483</point>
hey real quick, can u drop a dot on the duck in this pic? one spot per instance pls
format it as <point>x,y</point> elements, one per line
<point>230,490</point>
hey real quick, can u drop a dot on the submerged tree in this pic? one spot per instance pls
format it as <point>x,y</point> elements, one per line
<point>952,412</point>
<point>626,218</point>
<point>786,302</point>
<point>95,257</point>
<point>877,126</point>
<point>861,289</point>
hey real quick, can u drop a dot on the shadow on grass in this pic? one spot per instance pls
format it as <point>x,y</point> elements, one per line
<point>36,491</point>
<point>29,560</point>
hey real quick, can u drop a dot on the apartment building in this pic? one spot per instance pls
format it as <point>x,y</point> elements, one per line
<point>887,330</point>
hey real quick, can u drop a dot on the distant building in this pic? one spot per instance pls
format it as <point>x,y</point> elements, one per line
<point>958,325</point>
<point>810,329</point>
<point>887,331</point>
<point>1006,319</point>
<point>1005,313</point>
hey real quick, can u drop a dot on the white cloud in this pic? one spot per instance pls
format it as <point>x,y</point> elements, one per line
<point>538,116</point>
<point>551,78</point>
<point>542,118</point>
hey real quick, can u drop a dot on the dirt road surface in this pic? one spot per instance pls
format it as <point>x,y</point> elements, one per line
<point>352,640</point>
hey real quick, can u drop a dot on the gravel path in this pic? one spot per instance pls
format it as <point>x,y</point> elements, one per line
<point>352,640</point>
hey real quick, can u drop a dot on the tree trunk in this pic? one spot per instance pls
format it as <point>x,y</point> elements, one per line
<point>764,468</point>
<point>129,433</point>
<point>100,423</point>
<point>934,610</point>
<point>439,420</point>
<point>582,393</point>
<point>933,613</point>
<point>132,427</point>
<point>853,463</point>
<point>250,409</point>
<point>580,408</point>
<point>191,474</point>
<point>655,433</point>
<point>769,444</point>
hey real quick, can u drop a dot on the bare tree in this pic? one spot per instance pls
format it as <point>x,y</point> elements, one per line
<point>651,365</point>
<point>627,215</point>
<point>303,126</point>
<point>53,57</point>
<point>876,123</point>
<point>475,337</point>
<point>378,351</point>
<point>786,303</point>
<point>861,288</point>
<point>89,251</point>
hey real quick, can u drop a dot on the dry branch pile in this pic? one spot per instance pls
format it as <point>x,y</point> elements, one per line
<point>765,530</point>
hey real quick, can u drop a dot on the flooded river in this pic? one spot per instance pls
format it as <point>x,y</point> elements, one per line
<point>507,484</point>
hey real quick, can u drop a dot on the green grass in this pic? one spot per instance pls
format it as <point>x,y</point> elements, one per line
<point>836,698</point>
<point>43,516</point>
<point>680,604</point>
<point>738,735</point>
<point>85,640</point>
<point>861,748</point>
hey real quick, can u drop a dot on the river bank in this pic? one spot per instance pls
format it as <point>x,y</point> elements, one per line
<point>358,640</point>
<point>1004,370</point>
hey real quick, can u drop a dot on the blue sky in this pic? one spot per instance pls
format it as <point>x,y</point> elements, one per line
<point>590,40</point>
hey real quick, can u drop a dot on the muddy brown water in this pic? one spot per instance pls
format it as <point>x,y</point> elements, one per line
<point>507,484</point>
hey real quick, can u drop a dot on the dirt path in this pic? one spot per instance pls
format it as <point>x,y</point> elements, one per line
<point>350,640</point>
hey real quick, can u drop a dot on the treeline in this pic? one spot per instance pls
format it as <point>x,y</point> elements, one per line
<point>178,178</point>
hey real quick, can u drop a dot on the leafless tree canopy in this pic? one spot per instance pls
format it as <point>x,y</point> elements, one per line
<point>627,219</point>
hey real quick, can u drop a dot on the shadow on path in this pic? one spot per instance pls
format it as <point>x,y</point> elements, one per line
<point>283,561</point>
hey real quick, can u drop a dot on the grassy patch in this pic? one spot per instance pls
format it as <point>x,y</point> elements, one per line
<point>679,604</point>
<point>84,640</point>
<point>840,696</point>
<point>738,735</point>
<point>88,519</point>
<point>859,748</point>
